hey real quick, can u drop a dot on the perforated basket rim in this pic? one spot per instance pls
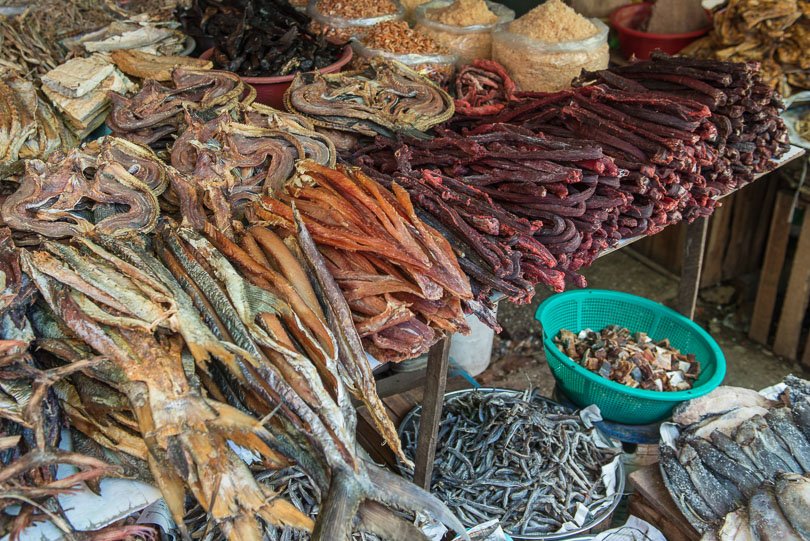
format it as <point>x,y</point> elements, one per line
<point>656,396</point>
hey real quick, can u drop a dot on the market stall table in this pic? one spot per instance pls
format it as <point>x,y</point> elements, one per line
<point>434,377</point>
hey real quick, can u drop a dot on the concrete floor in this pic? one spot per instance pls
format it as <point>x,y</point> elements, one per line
<point>519,362</point>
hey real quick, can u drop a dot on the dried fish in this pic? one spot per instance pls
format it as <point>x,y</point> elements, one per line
<point>400,303</point>
<point>516,457</point>
<point>632,359</point>
<point>386,98</point>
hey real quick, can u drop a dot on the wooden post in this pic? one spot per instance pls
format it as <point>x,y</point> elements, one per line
<point>771,272</point>
<point>432,401</point>
<point>693,250</point>
<point>789,329</point>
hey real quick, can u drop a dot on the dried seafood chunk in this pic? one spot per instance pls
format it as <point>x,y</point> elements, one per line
<point>632,359</point>
<point>386,98</point>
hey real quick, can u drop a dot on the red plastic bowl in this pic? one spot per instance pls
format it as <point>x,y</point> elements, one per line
<point>626,19</point>
<point>270,90</point>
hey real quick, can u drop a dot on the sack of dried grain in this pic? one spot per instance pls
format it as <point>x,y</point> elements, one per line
<point>394,40</point>
<point>548,47</point>
<point>463,26</point>
<point>342,20</point>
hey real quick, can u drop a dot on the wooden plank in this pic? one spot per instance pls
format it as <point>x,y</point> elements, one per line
<point>749,206</point>
<point>719,226</point>
<point>790,321</point>
<point>650,490</point>
<point>772,266</point>
<point>760,234</point>
<point>438,362</point>
<point>693,249</point>
<point>672,532</point>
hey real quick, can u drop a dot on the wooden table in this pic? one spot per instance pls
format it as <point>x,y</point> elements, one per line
<point>434,377</point>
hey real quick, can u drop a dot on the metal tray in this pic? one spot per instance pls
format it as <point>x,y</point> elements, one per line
<point>602,520</point>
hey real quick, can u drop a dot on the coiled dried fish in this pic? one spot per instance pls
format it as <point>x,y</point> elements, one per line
<point>54,197</point>
<point>386,98</point>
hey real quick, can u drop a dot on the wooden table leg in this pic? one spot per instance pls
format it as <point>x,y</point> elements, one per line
<point>693,249</point>
<point>432,401</point>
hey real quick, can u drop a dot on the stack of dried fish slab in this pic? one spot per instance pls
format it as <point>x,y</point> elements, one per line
<point>398,274</point>
<point>775,33</point>
<point>728,449</point>
<point>28,126</point>
<point>632,359</point>
<point>138,34</point>
<point>79,88</point>
<point>386,98</point>
<point>517,457</point>
<point>85,191</point>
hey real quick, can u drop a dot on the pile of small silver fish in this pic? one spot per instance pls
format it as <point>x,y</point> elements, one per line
<point>740,467</point>
<point>516,457</point>
<point>632,359</point>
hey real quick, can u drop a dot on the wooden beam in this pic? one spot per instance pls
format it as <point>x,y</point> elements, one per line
<point>790,321</point>
<point>432,402</point>
<point>692,262</point>
<point>771,272</point>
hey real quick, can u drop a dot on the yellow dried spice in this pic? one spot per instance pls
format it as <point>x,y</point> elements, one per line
<point>398,37</point>
<point>356,9</point>
<point>553,22</point>
<point>465,13</point>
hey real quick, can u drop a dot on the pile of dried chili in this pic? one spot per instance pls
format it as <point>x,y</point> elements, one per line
<point>258,38</point>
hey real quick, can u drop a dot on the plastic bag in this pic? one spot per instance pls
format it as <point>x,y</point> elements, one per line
<point>344,29</point>
<point>467,42</point>
<point>439,68</point>
<point>548,67</point>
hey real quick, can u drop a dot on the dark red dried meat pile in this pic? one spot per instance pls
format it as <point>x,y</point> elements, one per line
<point>530,187</point>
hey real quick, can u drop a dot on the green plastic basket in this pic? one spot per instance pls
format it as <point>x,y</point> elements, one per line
<point>595,309</point>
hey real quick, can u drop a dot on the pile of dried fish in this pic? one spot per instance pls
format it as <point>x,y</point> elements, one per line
<point>80,90</point>
<point>777,509</point>
<point>258,38</point>
<point>386,98</point>
<point>197,350</point>
<point>730,446</point>
<point>519,458</point>
<point>231,162</point>
<point>775,33</point>
<point>398,274</point>
<point>28,126</point>
<point>157,112</point>
<point>632,359</point>
<point>30,415</point>
<point>85,190</point>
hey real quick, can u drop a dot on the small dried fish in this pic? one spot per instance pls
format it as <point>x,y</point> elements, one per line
<point>516,457</point>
